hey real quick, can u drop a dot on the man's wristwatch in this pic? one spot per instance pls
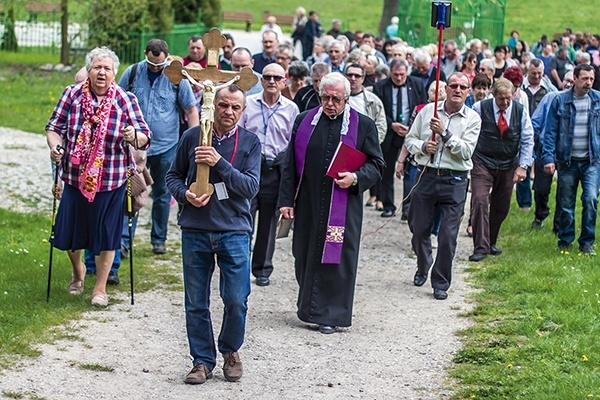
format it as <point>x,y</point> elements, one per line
<point>524,166</point>
<point>355,179</point>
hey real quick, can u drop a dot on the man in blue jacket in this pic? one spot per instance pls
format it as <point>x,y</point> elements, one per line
<point>571,146</point>
<point>220,225</point>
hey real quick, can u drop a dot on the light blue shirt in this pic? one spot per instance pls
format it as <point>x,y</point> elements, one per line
<point>158,102</point>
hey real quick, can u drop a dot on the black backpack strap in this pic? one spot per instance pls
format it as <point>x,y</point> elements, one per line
<point>132,77</point>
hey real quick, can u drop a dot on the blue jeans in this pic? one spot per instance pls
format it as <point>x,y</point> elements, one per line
<point>161,198</point>
<point>198,253</point>
<point>569,177</point>
<point>524,191</point>
<point>89,259</point>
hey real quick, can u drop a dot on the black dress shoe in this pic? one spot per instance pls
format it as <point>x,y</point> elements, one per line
<point>419,279</point>
<point>440,294</point>
<point>326,329</point>
<point>477,256</point>
<point>404,216</point>
<point>495,251</point>
<point>387,214</point>
<point>262,281</point>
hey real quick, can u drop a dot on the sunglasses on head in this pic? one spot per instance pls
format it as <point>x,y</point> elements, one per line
<point>276,78</point>
<point>455,86</point>
<point>162,64</point>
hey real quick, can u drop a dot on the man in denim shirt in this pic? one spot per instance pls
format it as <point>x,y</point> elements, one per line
<point>571,146</point>
<point>160,101</point>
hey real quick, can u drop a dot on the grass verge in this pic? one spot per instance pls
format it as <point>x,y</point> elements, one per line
<point>25,316</point>
<point>537,320</point>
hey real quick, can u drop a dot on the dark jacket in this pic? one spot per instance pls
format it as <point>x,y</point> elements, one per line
<point>495,151</point>
<point>430,79</point>
<point>307,98</point>
<point>384,90</point>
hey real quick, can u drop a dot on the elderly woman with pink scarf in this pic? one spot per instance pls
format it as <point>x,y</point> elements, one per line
<point>89,134</point>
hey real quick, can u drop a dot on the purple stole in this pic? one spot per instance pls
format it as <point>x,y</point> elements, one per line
<point>336,224</point>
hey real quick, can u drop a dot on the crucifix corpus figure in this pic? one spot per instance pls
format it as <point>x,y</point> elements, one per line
<point>208,79</point>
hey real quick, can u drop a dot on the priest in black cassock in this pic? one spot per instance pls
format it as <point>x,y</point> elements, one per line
<point>327,211</point>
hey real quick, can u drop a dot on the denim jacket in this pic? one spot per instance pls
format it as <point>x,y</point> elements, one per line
<point>560,124</point>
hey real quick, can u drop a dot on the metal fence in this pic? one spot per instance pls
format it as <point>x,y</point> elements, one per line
<point>483,19</point>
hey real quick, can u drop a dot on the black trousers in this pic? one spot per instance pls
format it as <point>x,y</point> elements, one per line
<point>448,195</point>
<point>265,203</point>
<point>386,187</point>
<point>542,186</point>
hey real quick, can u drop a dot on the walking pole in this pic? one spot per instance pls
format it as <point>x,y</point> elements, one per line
<point>54,195</point>
<point>130,226</point>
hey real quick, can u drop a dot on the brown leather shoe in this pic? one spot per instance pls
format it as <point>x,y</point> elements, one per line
<point>199,374</point>
<point>232,366</point>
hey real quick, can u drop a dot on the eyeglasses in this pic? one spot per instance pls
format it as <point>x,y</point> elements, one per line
<point>455,86</point>
<point>355,76</point>
<point>162,64</point>
<point>276,78</point>
<point>334,100</point>
<point>282,58</point>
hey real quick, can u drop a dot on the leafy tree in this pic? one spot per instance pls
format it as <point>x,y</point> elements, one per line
<point>211,12</point>
<point>115,23</point>
<point>9,39</point>
<point>186,11</point>
<point>159,15</point>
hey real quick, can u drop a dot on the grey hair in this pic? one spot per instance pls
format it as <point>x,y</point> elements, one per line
<point>101,52</point>
<point>336,43</point>
<point>334,79</point>
<point>488,63</point>
<point>298,69</point>
<point>421,56</point>
<point>397,62</point>
<point>320,69</point>
<point>344,40</point>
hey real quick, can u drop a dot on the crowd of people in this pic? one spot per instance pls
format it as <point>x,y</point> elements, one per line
<point>504,116</point>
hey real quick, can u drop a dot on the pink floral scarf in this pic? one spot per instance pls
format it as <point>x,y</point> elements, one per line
<point>89,146</point>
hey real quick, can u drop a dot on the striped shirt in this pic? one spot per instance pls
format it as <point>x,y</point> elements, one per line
<point>67,121</point>
<point>580,149</point>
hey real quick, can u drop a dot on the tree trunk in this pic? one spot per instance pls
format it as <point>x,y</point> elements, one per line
<point>390,9</point>
<point>65,46</point>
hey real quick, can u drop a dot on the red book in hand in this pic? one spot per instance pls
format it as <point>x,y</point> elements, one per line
<point>345,159</point>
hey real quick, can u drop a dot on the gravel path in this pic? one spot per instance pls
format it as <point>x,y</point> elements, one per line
<point>399,346</point>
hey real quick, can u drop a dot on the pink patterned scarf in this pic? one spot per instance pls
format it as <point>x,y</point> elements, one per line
<point>89,146</point>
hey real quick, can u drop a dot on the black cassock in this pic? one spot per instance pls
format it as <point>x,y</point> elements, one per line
<point>326,291</point>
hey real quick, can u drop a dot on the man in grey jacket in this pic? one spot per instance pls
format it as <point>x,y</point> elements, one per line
<point>364,101</point>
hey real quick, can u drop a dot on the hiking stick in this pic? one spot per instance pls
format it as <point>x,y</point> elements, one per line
<point>54,200</point>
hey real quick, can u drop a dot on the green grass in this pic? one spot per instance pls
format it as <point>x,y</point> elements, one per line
<point>25,316</point>
<point>537,320</point>
<point>27,94</point>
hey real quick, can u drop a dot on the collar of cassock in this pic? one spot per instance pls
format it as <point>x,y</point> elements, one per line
<point>345,121</point>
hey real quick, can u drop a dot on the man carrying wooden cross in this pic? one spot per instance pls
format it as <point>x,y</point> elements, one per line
<point>216,225</point>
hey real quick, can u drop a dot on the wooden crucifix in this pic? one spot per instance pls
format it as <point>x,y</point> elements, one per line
<point>208,79</point>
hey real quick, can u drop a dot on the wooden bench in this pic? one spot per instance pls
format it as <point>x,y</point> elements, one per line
<point>239,16</point>
<point>282,19</point>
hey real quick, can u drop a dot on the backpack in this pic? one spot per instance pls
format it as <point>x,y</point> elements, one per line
<point>182,122</point>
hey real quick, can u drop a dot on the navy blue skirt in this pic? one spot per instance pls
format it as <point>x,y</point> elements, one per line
<point>94,226</point>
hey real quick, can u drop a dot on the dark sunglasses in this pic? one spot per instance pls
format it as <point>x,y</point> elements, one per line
<point>276,78</point>
<point>355,76</point>
<point>455,86</point>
